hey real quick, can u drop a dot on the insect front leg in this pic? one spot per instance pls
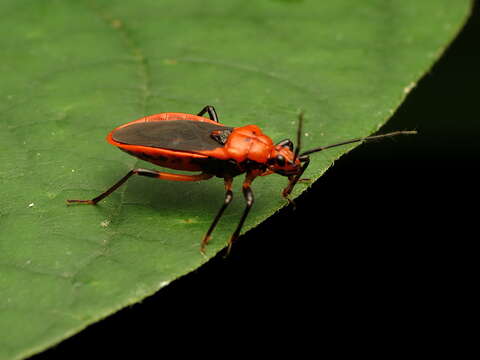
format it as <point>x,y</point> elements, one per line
<point>211,112</point>
<point>293,180</point>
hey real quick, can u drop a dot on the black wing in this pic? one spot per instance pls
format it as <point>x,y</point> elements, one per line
<point>181,135</point>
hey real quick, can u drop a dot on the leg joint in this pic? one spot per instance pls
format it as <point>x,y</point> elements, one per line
<point>146,172</point>
<point>248,193</point>
<point>228,196</point>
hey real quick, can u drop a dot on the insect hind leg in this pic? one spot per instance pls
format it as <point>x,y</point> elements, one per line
<point>142,172</point>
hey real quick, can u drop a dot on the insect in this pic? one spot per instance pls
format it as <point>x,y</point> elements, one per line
<point>197,143</point>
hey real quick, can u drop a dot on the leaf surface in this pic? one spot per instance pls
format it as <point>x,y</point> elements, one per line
<point>73,70</point>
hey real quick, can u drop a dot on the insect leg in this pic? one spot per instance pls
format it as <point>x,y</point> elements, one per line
<point>285,142</point>
<point>295,178</point>
<point>226,202</point>
<point>143,172</point>
<point>212,114</point>
<point>248,194</point>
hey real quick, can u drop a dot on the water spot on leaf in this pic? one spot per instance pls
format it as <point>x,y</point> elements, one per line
<point>105,223</point>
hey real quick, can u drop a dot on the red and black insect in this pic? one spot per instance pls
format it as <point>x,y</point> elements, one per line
<point>195,143</point>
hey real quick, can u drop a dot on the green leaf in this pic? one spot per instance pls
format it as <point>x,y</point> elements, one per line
<point>73,70</point>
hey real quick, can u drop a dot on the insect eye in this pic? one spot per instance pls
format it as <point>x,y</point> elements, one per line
<point>280,160</point>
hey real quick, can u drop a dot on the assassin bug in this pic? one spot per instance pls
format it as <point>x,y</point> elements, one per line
<point>196,143</point>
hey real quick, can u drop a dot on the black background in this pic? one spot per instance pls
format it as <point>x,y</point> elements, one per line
<point>383,274</point>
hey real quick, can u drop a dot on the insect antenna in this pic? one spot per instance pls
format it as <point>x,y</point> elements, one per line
<point>299,136</point>
<point>374,137</point>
